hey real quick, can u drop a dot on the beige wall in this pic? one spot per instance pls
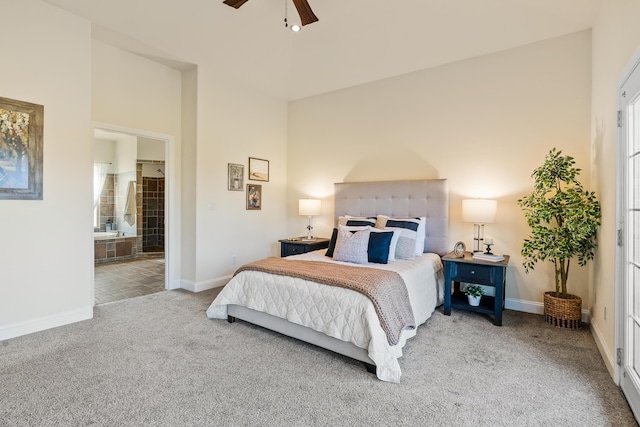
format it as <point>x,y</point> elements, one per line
<point>616,40</point>
<point>235,123</point>
<point>47,268</point>
<point>484,124</point>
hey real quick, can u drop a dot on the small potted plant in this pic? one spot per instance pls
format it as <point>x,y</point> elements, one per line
<point>474,293</point>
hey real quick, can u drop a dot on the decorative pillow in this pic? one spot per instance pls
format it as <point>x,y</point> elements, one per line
<point>332,243</point>
<point>382,244</point>
<point>394,241</point>
<point>334,238</point>
<point>358,221</point>
<point>352,247</point>
<point>379,246</point>
<point>410,243</point>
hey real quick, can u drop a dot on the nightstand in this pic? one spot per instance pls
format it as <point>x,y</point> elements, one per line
<point>295,247</point>
<point>470,270</point>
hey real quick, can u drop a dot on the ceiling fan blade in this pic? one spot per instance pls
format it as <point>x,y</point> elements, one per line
<point>304,10</point>
<point>235,3</point>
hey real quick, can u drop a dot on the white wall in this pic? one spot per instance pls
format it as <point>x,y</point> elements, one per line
<point>484,124</point>
<point>126,154</point>
<point>132,92</point>
<point>224,122</point>
<point>104,151</point>
<point>235,123</point>
<point>616,39</point>
<point>47,270</point>
<point>188,166</point>
<point>150,149</point>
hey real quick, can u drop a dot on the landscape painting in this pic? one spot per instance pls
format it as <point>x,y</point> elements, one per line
<point>20,149</point>
<point>258,169</point>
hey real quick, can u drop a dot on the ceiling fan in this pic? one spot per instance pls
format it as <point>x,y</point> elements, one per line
<point>304,10</point>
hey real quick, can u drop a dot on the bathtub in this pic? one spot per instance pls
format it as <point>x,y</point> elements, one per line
<point>108,246</point>
<point>102,235</point>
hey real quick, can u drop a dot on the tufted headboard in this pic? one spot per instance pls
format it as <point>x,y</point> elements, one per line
<point>400,199</point>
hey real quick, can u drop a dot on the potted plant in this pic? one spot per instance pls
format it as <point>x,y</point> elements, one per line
<point>564,219</point>
<point>474,294</point>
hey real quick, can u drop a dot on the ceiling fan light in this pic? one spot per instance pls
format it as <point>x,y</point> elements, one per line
<point>295,28</point>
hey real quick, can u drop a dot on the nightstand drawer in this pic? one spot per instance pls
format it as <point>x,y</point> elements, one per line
<point>294,247</point>
<point>474,272</point>
<point>288,249</point>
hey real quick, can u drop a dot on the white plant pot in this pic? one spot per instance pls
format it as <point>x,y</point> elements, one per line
<point>474,301</point>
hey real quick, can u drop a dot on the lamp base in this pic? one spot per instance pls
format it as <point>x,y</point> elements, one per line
<point>478,237</point>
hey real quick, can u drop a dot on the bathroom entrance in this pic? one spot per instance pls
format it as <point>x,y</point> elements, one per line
<point>130,215</point>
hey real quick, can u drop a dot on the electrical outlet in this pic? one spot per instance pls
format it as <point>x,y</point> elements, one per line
<point>234,259</point>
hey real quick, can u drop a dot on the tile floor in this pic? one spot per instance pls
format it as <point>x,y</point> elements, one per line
<point>116,281</point>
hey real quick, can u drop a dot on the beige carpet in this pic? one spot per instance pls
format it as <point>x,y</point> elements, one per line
<point>157,360</point>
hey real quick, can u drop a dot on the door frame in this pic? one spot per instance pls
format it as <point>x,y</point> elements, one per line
<point>172,200</point>
<point>621,223</point>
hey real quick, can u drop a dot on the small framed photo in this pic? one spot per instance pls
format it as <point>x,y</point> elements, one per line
<point>235,177</point>
<point>254,197</point>
<point>258,169</point>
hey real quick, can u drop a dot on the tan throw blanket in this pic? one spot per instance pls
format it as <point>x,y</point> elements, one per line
<point>386,289</point>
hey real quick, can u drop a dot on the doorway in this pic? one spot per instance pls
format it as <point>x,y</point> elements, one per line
<point>628,283</point>
<point>148,150</point>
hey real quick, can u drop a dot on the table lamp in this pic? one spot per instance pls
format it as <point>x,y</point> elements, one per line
<point>480,212</point>
<point>309,208</point>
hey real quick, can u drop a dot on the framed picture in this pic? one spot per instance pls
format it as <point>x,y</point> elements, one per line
<point>235,177</point>
<point>20,150</point>
<point>258,169</point>
<point>254,197</point>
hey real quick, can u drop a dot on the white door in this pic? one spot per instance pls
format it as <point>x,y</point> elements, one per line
<point>629,236</point>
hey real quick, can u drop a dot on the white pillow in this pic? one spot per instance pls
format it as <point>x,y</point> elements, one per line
<point>412,234</point>
<point>352,247</point>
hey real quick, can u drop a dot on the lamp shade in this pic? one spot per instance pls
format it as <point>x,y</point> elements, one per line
<point>309,207</point>
<point>479,211</point>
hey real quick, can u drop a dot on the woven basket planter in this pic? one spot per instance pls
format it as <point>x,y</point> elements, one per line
<point>563,312</point>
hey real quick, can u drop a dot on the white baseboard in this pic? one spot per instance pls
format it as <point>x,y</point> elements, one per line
<point>37,325</point>
<point>535,307</point>
<point>206,284</point>
<point>607,356</point>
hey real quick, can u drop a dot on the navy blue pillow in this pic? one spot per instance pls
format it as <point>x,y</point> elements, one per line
<point>332,243</point>
<point>378,249</point>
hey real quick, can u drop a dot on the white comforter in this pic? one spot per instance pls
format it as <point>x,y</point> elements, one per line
<point>338,312</point>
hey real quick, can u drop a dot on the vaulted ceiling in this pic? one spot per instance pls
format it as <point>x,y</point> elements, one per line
<point>355,41</point>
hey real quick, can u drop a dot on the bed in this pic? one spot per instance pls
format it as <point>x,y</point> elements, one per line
<point>343,320</point>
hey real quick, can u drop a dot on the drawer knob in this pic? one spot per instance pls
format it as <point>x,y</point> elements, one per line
<point>472,272</point>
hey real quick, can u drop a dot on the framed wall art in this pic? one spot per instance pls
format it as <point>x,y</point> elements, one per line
<point>235,177</point>
<point>20,150</point>
<point>258,169</point>
<point>254,197</point>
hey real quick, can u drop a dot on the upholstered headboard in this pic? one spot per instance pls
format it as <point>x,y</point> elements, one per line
<point>400,199</point>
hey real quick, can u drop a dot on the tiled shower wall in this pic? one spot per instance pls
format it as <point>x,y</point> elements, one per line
<point>152,214</point>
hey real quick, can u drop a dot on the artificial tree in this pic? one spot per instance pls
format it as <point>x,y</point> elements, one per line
<point>563,216</point>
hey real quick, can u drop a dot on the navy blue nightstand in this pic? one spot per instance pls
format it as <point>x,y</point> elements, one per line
<point>470,270</point>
